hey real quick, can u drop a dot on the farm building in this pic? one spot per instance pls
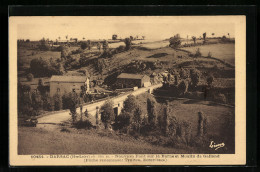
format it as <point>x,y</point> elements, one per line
<point>127,80</point>
<point>65,84</point>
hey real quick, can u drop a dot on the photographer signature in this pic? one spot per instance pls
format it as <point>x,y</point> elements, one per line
<point>216,146</point>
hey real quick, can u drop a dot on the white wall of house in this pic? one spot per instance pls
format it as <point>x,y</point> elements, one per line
<point>64,87</point>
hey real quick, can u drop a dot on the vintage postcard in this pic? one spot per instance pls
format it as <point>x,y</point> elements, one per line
<point>127,90</point>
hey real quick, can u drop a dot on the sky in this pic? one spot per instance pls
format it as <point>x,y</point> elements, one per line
<point>103,27</point>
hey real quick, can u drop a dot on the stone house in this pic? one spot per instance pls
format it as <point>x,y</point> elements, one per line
<point>127,80</point>
<point>65,84</point>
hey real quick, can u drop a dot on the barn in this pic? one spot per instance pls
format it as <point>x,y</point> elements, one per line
<point>65,84</point>
<point>128,80</point>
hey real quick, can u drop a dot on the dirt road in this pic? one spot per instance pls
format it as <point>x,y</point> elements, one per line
<point>52,121</point>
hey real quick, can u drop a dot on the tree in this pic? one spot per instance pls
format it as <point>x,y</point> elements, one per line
<point>71,101</point>
<point>128,43</point>
<point>37,102</point>
<point>43,45</point>
<point>210,80</point>
<point>29,77</point>
<point>107,113</point>
<point>99,46</point>
<point>194,39</point>
<point>105,45</point>
<point>114,37</point>
<point>195,77</point>
<point>175,41</point>
<point>204,36</point>
<point>151,104</point>
<point>143,37</point>
<point>89,44</point>
<point>57,102</point>
<point>83,45</point>
<point>132,38</point>
<point>137,118</point>
<point>165,121</point>
<point>130,104</point>
<point>213,34</point>
<point>183,87</point>
<point>126,116</point>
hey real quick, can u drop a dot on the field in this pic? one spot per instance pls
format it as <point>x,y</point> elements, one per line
<point>224,52</point>
<point>26,55</point>
<point>39,141</point>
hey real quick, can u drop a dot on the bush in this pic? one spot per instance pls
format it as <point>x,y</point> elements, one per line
<point>57,102</point>
<point>47,103</point>
<point>195,77</point>
<point>107,113</point>
<point>83,45</point>
<point>175,41</point>
<point>183,87</point>
<point>209,55</point>
<point>41,68</point>
<point>120,49</point>
<point>184,73</point>
<point>221,98</point>
<point>29,77</point>
<point>78,51</point>
<point>198,53</point>
<point>128,43</point>
<point>151,110</point>
<point>37,102</point>
<point>210,80</point>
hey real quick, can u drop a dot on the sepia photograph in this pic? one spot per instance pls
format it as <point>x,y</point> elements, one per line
<point>139,89</point>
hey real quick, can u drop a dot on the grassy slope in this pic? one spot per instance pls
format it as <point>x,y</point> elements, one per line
<point>37,141</point>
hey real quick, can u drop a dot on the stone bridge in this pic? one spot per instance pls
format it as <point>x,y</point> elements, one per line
<point>118,101</point>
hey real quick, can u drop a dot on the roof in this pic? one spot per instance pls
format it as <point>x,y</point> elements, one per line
<point>60,78</point>
<point>130,76</point>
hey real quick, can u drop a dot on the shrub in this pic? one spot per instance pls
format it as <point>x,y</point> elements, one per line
<point>83,124</point>
<point>78,51</point>
<point>202,124</point>
<point>130,104</point>
<point>46,102</point>
<point>107,113</point>
<point>221,98</point>
<point>41,68</point>
<point>198,53</point>
<point>128,43</point>
<point>57,102</point>
<point>29,77</point>
<point>137,119</point>
<point>120,49</point>
<point>175,41</point>
<point>37,102</point>
<point>209,55</point>
<point>83,45</point>
<point>210,80</point>
<point>70,101</point>
<point>105,45</point>
<point>165,120</point>
<point>184,73</point>
<point>124,120</point>
<point>183,87</point>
